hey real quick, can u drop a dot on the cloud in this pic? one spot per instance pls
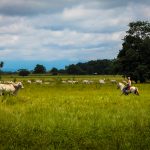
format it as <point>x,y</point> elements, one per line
<point>66,30</point>
<point>34,7</point>
<point>26,8</point>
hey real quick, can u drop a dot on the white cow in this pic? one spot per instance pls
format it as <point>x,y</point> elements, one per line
<point>72,81</point>
<point>87,81</point>
<point>10,88</point>
<point>64,81</point>
<point>90,81</point>
<point>102,81</point>
<point>113,81</point>
<point>39,81</point>
<point>8,82</point>
<point>29,81</point>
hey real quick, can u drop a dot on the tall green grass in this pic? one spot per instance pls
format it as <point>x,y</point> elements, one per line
<point>63,116</point>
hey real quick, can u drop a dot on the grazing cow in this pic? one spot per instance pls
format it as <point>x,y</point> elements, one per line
<point>38,81</point>
<point>87,81</point>
<point>8,82</point>
<point>72,81</point>
<point>10,88</point>
<point>64,81</point>
<point>102,81</point>
<point>29,81</point>
<point>90,81</point>
<point>113,81</point>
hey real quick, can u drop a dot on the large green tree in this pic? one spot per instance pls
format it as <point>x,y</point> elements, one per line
<point>54,71</point>
<point>73,69</point>
<point>133,59</point>
<point>39,69</point>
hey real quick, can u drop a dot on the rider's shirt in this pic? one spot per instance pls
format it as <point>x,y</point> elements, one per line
<point>129,84</point>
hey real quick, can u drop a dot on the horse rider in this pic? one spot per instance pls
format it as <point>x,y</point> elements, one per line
<point>127,87</point>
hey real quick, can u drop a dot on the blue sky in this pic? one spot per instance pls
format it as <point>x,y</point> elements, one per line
<point>56,33</point>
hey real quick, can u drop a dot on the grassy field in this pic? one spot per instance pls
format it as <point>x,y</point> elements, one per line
<point>74,117</point>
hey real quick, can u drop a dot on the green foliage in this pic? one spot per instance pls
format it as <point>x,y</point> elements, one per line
<point>39,69</point>
<point>1,66</point>
<point>133,59</point>
<point>23,72</point>
<point>54,71</point>
<point>92,67</point>
<point>74,69</point>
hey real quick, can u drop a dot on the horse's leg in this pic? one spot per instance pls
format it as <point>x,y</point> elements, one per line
<point>124,92</point>
<point>137,92</point>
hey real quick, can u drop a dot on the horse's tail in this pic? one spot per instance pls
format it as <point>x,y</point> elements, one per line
<point>137,91</point>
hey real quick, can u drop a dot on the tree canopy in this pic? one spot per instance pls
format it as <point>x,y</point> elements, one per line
<point>54,71</point>
<point>1,66</point>
<point>23,72</point>
<point>92,67</point>
<point>133,59</point>
<point>39,69</point>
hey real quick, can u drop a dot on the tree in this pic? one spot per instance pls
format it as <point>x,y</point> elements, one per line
<point>54,71</point>
<point>104,66</point>
<point>74,69</point>
<point>1,66</point>
<point>39,69</point>
<point>62,71</point>
<point>23,72</point>
<point>133,58</point>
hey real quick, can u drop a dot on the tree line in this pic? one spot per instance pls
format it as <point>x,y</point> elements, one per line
<point>90,68</point>
<point>132,60</point>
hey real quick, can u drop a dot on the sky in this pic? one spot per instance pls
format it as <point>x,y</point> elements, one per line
<point>56,33</point>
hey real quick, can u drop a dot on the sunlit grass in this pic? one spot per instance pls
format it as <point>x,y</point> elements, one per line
<point>63,116</point>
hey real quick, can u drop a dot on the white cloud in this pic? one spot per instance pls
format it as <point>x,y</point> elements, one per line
<point>78,13</point>
<point>77,31</point>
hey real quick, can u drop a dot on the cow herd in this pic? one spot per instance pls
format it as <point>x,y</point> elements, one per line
<point>13,87</point>
<point>101,81</point>
<point>85,81</point>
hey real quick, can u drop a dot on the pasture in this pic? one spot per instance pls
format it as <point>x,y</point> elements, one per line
<point>74,116</point>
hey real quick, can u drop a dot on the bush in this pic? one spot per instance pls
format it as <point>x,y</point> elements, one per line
<point>24,72</point>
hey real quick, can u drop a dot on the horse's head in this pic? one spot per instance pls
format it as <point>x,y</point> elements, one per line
<point>120,85</point>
